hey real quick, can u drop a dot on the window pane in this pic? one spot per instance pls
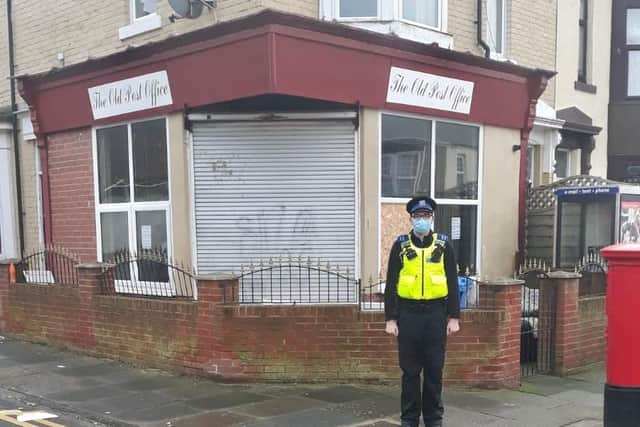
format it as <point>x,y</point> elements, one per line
<point>633,73</point>
<point>115,240</point>
<point>460,224</point>
<point>150,161</point>
<point>358,8</point>
<point>151,232</point>
<point>495,15</point>
<point>562,163</point>
<point>422,11</point>
<point>145,7</point>
<point>633,26</point>
<point>406,156</point>
<point>453,140</point>
<point>113,164</point>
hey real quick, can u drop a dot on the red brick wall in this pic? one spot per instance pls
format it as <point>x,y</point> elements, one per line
<point>71,191</point>
<point>592,326</point>
<point>268,343</point>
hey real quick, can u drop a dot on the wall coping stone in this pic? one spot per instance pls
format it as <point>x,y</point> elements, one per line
<point>563,275</point>
<point>216,277</point>
<point>92,266</point>
<point>503,281</point>
<point>9,261</point>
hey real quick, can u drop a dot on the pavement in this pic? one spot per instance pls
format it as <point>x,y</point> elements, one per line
<point>80,391</point>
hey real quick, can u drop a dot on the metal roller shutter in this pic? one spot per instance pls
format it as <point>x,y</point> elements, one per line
<point>274,189</point>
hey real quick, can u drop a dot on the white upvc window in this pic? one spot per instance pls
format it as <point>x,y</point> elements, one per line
<point>430,14</point>
<point>8,243</point>
<point>132,199</point>
<point>496,27</point>
<point>443,158</point>
<point>563,165</point>
<point>358,8</point>
<point>143,17</point>
<point>423,12</point>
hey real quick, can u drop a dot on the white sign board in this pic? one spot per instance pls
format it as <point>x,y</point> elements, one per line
<point>455,228</point>
<point>134,94</point>
<point>145,232</point>
<point>429,91</point>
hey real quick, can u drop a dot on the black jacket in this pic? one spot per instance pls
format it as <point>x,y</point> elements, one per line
<point>393,272</point>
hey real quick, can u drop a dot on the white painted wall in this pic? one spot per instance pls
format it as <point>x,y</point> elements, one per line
<point>599,46</point>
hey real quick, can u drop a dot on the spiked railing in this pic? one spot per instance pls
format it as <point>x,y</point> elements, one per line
<point>294,280</point>
<point>50,265</point>
<point>148,273</point>
<point>372,295</point>
<point>593,270</point>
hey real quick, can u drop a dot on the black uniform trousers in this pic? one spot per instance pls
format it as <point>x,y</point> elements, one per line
<point>422,336</point>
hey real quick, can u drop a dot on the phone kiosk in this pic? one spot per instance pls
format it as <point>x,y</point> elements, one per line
<point>591,218</point>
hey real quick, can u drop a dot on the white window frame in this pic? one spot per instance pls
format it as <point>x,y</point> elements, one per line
<point>432,185</point>
<point>503,34</point>
<point>131,208</point>
<point>9,248</point>
<point>442,7</point>
<point>569,167</point>
<point>136,26</point>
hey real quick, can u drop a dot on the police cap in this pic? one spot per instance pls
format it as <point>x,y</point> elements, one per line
<point>421,203</point>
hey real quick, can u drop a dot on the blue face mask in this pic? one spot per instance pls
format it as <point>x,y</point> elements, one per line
<point>421,225</point>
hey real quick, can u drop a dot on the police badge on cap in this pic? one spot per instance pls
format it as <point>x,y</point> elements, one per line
<point>421,203</point>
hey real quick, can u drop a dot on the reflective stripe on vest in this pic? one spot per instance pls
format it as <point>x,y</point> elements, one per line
<point>421,279</point>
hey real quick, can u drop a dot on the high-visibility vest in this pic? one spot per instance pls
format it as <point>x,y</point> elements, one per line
<point>422,278</point>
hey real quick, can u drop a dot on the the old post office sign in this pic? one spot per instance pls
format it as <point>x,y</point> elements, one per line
<point>429,91</point>
<point>130,95</point>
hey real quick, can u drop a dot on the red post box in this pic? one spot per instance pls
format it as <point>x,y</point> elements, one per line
<point>622,390</point>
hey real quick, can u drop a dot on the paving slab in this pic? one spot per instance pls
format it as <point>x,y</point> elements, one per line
<point>278,406</point>
<point>163,412</point>
<point>128,403</point>
<point>207,419</point>
<point>341,393</point>
<point>226,400</point>
<point>317,417</point>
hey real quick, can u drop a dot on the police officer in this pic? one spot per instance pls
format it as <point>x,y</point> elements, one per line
<point>421,308</point>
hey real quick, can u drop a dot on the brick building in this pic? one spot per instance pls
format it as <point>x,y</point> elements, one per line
<point>303,124</point>
<point>81,32</point>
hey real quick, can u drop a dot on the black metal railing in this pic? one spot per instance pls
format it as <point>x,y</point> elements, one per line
<point>372,295</point>
<point>537,322</point>
<point>149,273</point>
<point>48,266</point>
<point>593,281</point>
<point>295,281</point>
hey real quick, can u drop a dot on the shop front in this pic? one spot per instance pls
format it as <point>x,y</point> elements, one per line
<point>276,136</point>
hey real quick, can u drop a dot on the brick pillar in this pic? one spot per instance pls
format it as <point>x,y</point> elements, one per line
<point>89,284</point>
<point>214,292</point>
<point>504,295</point>
<point>562,287</point>
<point>4,291</point>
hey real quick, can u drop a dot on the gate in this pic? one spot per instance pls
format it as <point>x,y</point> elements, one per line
<point>537,321</point>
<point>593,272</point>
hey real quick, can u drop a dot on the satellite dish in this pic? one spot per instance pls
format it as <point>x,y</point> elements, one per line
<point>187,8</point>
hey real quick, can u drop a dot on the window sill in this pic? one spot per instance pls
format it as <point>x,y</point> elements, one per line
<point>417,33</point>
<point>584,87</point>
<point>142,25</point>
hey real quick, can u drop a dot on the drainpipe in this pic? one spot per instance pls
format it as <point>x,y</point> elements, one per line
<point>481,42</point>
<point>536,84</point>
<point>14,125</point>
